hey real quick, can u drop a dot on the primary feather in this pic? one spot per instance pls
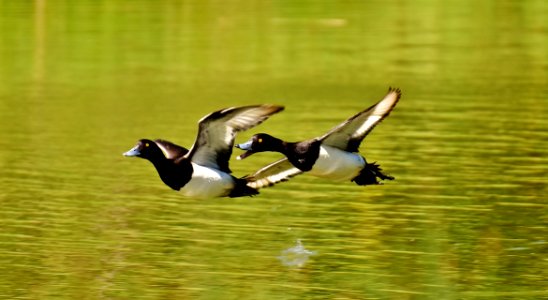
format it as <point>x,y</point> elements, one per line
<point>216,133</point>
<point>273,173</point>
<point>349,134</point>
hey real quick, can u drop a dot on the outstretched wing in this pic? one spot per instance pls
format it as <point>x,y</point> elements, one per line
<point>216,133</point>
<point>349,134</point>
<point>273,173</point>
<point>170,150</point>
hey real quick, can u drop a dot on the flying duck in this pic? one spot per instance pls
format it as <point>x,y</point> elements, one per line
<point>333,155</point>
<point>202,171</point>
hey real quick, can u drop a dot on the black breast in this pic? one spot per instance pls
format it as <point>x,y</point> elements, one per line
<point>303,155</point>
<point>175,174</point>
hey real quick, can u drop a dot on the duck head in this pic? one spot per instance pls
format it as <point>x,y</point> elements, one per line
<point>259,143</point>
<point>146,149</point>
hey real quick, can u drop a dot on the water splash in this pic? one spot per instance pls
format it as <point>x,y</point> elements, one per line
<point>296,256</point>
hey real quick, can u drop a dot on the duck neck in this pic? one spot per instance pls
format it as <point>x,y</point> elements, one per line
<point>172,172</point>
<point>303,155</point>
<point>278,145</point>
<point>161,164</point>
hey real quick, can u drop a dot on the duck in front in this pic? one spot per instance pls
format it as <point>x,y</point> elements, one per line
<point>333,155</point>
<point>203,171</point>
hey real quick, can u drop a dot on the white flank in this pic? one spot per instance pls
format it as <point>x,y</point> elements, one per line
<point>208,183</point>
<point>337,164</point>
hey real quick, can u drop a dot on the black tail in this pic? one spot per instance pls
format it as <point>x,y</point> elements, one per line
<point>241,189</point>
<point>369,175</point>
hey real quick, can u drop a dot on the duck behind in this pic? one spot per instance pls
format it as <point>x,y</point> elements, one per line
<point>333,155</point>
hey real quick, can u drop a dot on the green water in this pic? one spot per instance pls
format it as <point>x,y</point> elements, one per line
<point>466,217</point>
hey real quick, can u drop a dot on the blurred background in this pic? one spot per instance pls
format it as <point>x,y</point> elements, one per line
<point>466,217</point>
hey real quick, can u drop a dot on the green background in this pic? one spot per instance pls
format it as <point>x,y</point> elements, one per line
<point>466,217</point>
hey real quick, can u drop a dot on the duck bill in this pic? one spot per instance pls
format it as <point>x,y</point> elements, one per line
<point>133,152</point>
<point>244,155</point>
<point>245,146</point>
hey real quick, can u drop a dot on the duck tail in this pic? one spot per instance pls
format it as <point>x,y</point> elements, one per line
<point>369,175</point>
<point>242,189</point>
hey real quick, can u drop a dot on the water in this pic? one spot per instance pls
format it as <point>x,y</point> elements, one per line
<point>466,217</point>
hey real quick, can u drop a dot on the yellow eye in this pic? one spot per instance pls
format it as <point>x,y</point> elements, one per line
<point>146,145</point>
<point>260,140</point>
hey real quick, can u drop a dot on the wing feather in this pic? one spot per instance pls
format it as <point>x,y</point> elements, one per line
<point>349,134</point>
<point>216,133</point>
<point>170,150</point>
<point>272,174</point>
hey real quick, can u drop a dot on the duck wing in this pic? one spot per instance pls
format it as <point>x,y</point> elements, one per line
<point>271,174</point>
<point>170,150</point>
<point>349,134</point>
<point>216,133</point>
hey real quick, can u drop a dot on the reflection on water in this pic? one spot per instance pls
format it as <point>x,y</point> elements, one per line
<point>466,216</point>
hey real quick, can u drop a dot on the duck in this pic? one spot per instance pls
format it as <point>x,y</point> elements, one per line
<point>170,150</point>
<point>334,155</point>
<point>203,170</point>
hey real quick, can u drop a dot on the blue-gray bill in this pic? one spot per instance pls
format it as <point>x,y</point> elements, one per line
<point>245,146</point>
<point>133,152</point>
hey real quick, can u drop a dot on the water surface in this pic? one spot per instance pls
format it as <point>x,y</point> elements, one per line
<point>466,217</point>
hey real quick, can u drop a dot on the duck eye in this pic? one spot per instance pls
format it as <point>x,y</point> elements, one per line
<point>146,145</point>
<point>260,140</point>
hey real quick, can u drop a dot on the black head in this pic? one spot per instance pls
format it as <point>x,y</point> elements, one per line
<point>146,149</point>
<point>260,142</point>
